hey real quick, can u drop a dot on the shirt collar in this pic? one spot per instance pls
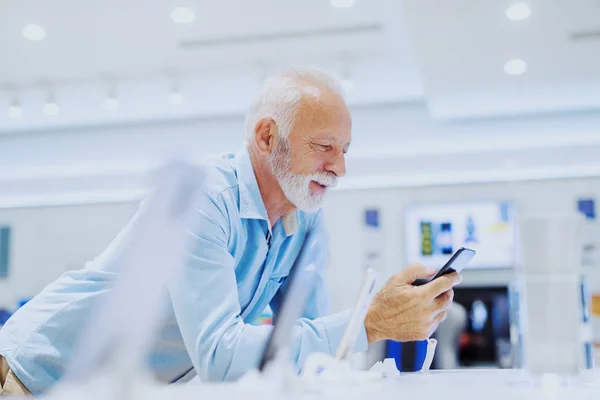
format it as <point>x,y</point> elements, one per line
<point>290,223</point>
<point>251,202</point>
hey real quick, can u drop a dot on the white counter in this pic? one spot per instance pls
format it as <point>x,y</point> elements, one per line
<point>443,385</point>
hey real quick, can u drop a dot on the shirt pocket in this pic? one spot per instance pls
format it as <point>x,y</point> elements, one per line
<point>262,298</point>
<point>273,285</point>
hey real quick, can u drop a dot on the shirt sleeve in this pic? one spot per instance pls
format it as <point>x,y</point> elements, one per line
<point>206,306</point>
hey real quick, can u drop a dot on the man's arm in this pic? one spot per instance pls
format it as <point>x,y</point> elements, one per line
<point>206,305</point>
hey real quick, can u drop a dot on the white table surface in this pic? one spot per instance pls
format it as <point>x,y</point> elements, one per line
<point>447,385</point>
<point>493,384</point>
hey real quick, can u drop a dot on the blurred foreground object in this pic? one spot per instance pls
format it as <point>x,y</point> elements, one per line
<point>555,326</point>
<point>117,338</point>
<point>448,336</point>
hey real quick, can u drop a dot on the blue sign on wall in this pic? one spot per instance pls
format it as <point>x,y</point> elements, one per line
<point>372,218</point>
<point>587,207</point>
<point>4,251</point>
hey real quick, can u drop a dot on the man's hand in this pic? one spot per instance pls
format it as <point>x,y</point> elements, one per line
<point>403,312</point>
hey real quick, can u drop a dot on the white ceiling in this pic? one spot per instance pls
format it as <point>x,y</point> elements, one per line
<point>218,60</point>
<point>136,37</point>
<point>448,53</point>
<point>463,45</point>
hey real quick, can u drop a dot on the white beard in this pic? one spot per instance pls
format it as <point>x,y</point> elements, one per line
<point>297,187</point>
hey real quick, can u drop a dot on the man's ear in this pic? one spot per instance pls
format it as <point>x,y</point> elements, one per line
<point>265,132</point>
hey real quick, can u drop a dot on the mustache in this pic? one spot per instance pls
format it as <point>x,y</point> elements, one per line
<point>324,178</point>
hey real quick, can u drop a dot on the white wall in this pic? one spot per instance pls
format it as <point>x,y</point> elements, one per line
<point>399,155</point>
<point>393,145</point>
<point>50,240</point>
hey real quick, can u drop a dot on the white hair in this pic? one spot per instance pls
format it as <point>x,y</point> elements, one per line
<point>280,95</point>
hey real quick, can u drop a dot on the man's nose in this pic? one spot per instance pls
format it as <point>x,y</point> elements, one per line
<point>337,164</point>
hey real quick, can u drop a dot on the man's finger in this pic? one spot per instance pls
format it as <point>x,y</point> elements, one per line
<point>414,272</point>
<point>443,301</point>
<point>443,284</point>
<point>441,317</point>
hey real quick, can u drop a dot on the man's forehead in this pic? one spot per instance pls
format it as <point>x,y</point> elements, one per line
<point>319,96</point>
<point>325,118</point>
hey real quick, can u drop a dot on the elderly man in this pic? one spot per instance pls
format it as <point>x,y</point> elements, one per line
<point>262,204</point>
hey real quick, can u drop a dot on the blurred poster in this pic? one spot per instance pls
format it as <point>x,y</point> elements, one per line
<point>372,239</point>
<point>591,259</point>
<point>587,207</point>
<point>591,232</point>
<point>4,251</point>
<point>435,231</point>
<point>596,319</point>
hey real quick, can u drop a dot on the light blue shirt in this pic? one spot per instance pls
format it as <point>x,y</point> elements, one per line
<point>231,275</point>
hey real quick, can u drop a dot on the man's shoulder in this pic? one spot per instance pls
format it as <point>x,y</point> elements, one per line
<point>219,173</point>
<point>221,183</point>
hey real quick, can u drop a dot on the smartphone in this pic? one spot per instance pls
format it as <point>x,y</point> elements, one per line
<point>456,263</point>
<point>357,320</point>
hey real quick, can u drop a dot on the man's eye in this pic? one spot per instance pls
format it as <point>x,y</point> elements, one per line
<point>325,147</point>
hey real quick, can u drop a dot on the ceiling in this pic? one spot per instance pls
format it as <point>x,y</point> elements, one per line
<point>449,54</point>
<point>134,48</point>
<point>136,38</point>
<point>462,59</point>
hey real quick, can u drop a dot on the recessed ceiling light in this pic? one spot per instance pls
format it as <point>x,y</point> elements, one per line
<point>175,98</point>
<point>183,15</point>
<point>51,109</point>
<point>111,104</point>
<point>342,3</point>
<point>15,112</point>
<point>34,32</point>
<point>518,12</point>
<point>515,67</point>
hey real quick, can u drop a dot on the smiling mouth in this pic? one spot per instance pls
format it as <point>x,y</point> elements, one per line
<point>318,187</point>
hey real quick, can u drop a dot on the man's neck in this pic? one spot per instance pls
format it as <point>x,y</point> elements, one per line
<point>276,204</point>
